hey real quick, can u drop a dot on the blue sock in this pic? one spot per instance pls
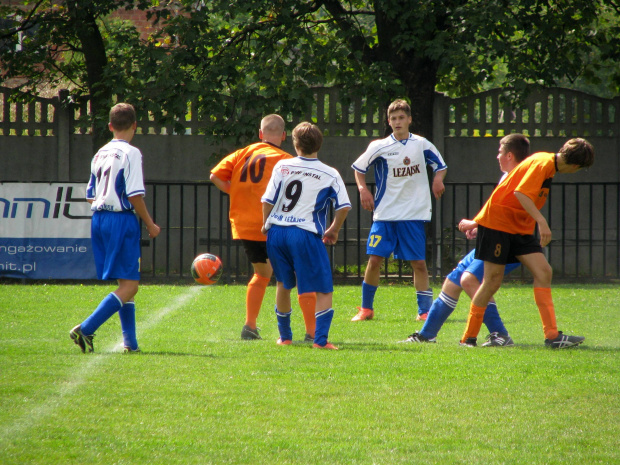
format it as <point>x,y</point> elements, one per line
<point>368,295</point>
<point>284,325</point>
<point>442,308</point>
<point>323,322</point>
<point>425,300</point>
<point>493,321</point>
<point>127,314</point>
<point>108,307</point>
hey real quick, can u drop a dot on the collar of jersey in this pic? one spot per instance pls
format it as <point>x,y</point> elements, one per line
<point>402,141</point>
<point>120,140</point>
<point>307,159</point>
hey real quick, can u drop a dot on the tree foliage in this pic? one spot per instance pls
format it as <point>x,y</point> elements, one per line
<point>239,59</point>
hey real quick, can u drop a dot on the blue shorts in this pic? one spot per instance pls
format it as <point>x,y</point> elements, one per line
<point>299,257</point>
<point>476,267</point>
<point>116,245</point>
<point>407,239</point>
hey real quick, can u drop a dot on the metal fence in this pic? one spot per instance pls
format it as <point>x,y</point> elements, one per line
<point>584,218</point>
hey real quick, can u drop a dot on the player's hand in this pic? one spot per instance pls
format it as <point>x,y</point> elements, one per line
<point>466,225</point>
<point>367,200</point>
<point>153,230</point>
<point>263,230</point>
<point>545,233</point>
<point>438,188</point>
<point>471,233</point>
<point>330,237</point>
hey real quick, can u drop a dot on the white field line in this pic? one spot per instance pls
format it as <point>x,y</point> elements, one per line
<point>31,418</point>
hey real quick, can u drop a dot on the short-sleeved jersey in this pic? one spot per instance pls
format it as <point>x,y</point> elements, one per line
<point>302,190</point>
<point>532,177</point>
<point>403,191</point>
<point>115,175</point>
<point>248,170</point>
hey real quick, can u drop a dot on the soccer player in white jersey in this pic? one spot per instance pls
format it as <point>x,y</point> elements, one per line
<point>296,204</point>
<point>116,194</point>
<point>401,205</point>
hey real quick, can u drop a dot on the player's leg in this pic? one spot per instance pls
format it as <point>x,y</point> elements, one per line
<point>324,316</point>
<point>256,252</point>
<point>117,259</point>
<point>283,314</point>
<point>307,303</point>
<point>307,248</point>
<point>380,244</point>
<point>493,277</point>
<point>424,294</point>
<point>411,246</point>
<point>282,258</point>
<point>369,289</point>
<point>128,289</point>
<point>440,310</point>
<point>542,274</point>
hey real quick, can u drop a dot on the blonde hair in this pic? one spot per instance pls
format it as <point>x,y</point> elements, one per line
<point>399,105</point>
<point>272,124</point>
<point>307,137</point>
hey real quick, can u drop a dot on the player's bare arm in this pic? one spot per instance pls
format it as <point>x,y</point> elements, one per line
<point>140,207</point>
<point>530,208</point>
<point>438,186</point>
<point>267,207</point>
<point>330,237</point>
<point>366,198</point>
<point>222,185</point>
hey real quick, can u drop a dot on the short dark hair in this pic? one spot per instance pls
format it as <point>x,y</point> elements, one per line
<point>517,144</point>
<point>578,152</point>
<point>399,105</point>
<point>122,116</point>
<point>307,137</point>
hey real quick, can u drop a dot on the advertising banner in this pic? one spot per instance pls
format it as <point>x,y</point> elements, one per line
<point>45,231</point>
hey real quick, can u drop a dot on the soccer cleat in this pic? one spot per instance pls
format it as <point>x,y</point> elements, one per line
<point>563,341</point>
<point>421,317</point>
<point>329,345</point>
<point>417,337</point>
<point>286,342</point>
<point>498,340</point>
<point>129,350</point>
<point>249,334</point>
<point>81,339</point>
<point>308,338</point>
<point>363,314</point>
<point>469,342</point>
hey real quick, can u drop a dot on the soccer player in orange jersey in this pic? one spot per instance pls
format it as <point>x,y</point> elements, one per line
<point>244,175</point>
<point>506,235</point>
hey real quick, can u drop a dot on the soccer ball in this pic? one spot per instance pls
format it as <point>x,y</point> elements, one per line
<point>206,269</point>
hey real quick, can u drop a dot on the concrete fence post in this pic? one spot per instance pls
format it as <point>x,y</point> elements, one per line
<point>63,136</point>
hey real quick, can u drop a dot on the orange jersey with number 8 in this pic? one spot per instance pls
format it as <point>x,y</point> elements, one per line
<point>248,170</point>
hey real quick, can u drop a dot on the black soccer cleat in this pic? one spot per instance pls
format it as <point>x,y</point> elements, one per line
<point>249,334</point>
<point>470,342</point>
<point>83,341</point>
<point>564,341</point>
<point>417,337</point>
<point>498,340</point>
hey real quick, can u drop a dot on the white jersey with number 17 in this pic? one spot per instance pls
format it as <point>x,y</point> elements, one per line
<point>302,191</point>
<point>115,175</point>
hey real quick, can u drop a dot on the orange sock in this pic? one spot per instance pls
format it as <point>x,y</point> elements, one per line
<point>542,295</point>
<point>307,303</point>
<point>254,299</point>
<point>474,321</point>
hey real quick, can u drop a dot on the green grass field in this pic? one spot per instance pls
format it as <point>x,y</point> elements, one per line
<point>200,395</point>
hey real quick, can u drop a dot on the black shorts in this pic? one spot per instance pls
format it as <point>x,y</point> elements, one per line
<point>503,248</point>
<point>255,250</point>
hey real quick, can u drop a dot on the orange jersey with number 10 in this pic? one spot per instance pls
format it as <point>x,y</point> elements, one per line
<point>248,170</point>
<point>503,211</point>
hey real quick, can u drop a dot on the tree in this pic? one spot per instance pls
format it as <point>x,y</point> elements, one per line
<point>237,60</point>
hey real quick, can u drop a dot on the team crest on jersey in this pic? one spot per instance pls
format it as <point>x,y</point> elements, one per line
<point>406,161</point>
<point>284,171</point>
